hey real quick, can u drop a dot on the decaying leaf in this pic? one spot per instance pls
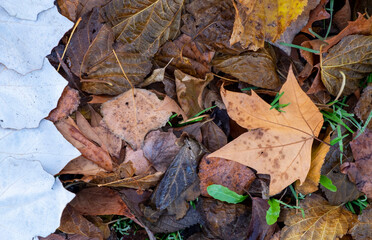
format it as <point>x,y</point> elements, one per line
<point>213,136</point>
<point>145,25</point>
<point>133,114</point>
<point>88,149</point>
<point>81,165</point>
<point>317,159</point>
<point>322,221</point>
<point>352,56</point>
<point>73,9</point>
<point>100,201</point>
<point>244,67</point>
<point>364,105</point>
<point>232,175</point>
<point>360,172</point>
<point>319,13</point>
<point>160,148</point>
<point>258,227</point>
<point>225,221</point>
<point>362,230</point>
<point>189,92</point>
<point>281,143</point>
<point>100,72</point>
<point>180,175</point>
<point>139,162</point>
<point>67,104</point>
<point>260,21</point>
<point>74,223</point>
<point>137,182</point>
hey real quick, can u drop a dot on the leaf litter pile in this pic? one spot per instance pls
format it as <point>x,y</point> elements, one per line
<point>216,119</point>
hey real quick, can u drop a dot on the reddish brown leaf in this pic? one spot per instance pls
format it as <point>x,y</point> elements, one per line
<point>81,165</point>
<point>258,228</point>
<point>71,132</point>
<point>360,172</point>
<point>343,16</point>
<point>100,201</point>
<point>232,175</point>
<point>73,9</point>
<point>67,104</point>
<point>319,13</point>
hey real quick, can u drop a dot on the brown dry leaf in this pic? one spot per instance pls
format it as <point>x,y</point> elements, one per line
<point>81,165</point>
<point>281,143</point>
<point>260,21</point>
<point>194,59</point>
<point>73,9</point>
<point>322,221</point>
<point>73,222</point>
<point>100,72</point>
<point>317,159</point>
<point>160,148</point>
<point>364,105</point>
<point>258,228</point>
<point>360,172</point>
<point>213,136</point>
<point>210,22</point>
<point>190,91</point>
<point>343,16</point>
<point>137,182</point>
<point>139,162</point>
<point>319,13</point>
<point>144,25</point>
<point>362,230</point>
<point>88,149</point>
<point>109,141</point>
<point>352,56</point>
<point>100,201</point>
<point>232,175</point>
<point>67,104</point>
<point>244,67</point>
<point>225,221</point>
<point>133,114</point>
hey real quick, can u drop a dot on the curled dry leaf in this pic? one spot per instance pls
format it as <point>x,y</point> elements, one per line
<point>362,230</point>
<point>343,16</point>
<point>88,149</point>
<point>360,172</point>
<point>160,148</point>
<point>189,92</point>
<point>353,57</point>
<point>319,13</point>
<point>317,159</point>
<point>244,67</point>
<point>322,221</point>
<point>73,9</point>
<point>67,104</point>
<point>260,21</point>
<point>133,114</point>
<point>145,25</point>
<point>81,165</point>
<point>281,143</point>
<point>232,175</point>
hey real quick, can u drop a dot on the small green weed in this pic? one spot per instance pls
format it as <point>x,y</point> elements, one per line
<point>193,119</point>
<point>124,225</point>
<point>361,202</point>
<point>275,103</point>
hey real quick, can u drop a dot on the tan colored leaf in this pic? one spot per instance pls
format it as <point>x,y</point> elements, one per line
<point>244,67</point>
<point>352,56</point>
<point>81,165</point>
<point>100,72</point>
<point>145,25</point>
<point>140,164</point>
<point>189,91</point>
<point>137,182</point>
<point>281,143</point>
<point>260,21</point>
<point>317,159</point>
<point>362,230</point>
<point>322,221</point>
<point>88,149</point>
<point>67,104</point>
<point>133,114</point>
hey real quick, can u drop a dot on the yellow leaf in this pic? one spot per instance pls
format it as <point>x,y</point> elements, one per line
<point>317,159</point>
<point>257,21</point>
<point>280,144</point>
<point>321,222</point>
